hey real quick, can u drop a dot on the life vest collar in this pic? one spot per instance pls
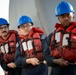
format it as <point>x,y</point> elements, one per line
<point>33,30</point>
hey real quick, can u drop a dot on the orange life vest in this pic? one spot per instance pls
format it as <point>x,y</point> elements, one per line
<point>8,46</point>
<point>63,43</point>
<point>32,46</point>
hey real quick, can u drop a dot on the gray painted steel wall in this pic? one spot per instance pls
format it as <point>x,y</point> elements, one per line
<point>41,11</point>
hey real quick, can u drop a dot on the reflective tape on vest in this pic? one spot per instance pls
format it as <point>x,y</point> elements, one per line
<point>27,45</point>
<point>4,48</point>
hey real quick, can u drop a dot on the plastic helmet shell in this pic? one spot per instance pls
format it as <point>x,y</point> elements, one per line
<point>3,22</point>
<point>63,7</point>
<point>24,20</point>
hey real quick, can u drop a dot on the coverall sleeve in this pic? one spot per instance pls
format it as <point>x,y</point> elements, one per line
<point>19,60</point>
<point>46,51</point>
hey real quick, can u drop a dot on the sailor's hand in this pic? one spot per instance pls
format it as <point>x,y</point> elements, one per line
<point>60,62</point>
<point>45,62</point>
<point>11,65</point>
<point>33,61</point>
<point>6,72</point>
